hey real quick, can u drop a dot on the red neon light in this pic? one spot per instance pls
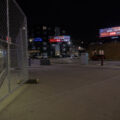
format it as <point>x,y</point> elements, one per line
<point>55,40</point>
<point>108,34</point>
<point>112,33</point>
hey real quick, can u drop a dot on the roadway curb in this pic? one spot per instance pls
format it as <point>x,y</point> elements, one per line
<point>102,67</point>
<point>11,97</point>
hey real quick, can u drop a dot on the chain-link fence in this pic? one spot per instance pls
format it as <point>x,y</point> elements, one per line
<point>13,47</point>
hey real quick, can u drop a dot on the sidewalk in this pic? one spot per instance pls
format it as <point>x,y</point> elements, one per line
<point>106,64</point>
<point>68,92</point>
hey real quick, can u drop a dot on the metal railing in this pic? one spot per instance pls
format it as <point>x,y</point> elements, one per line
<point>13,47</point>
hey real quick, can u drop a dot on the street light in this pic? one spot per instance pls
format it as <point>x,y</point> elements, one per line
<point>30,40</point>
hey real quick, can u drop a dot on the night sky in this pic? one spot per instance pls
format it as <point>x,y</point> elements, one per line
<point>81,19</point>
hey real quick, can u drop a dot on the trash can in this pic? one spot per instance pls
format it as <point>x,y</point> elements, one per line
<point>84,58</point>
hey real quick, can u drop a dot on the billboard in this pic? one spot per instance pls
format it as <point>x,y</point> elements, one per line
<point>60,39</point>
<point>109,32</point>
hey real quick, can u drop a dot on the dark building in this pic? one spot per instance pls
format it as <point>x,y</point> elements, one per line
<point>41,36</point>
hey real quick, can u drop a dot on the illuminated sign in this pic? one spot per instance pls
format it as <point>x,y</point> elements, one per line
<point>55,40</point>
<point>38,40</point>
<point>110,32</point>
<point>60,39</point>
<point>63,38</point>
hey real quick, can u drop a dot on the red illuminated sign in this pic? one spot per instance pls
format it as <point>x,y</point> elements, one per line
<point>55,40</point>
<point>60,39</point>
<point>110,32</point>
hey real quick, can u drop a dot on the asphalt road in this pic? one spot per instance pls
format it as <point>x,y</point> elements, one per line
<point>68,92</point>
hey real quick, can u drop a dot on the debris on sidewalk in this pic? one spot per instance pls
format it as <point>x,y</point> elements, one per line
<point>32,81</point>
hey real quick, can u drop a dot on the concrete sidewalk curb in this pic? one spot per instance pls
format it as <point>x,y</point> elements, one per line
<point>102,67</point>
<point>11,97</point>
<point>82,65</point>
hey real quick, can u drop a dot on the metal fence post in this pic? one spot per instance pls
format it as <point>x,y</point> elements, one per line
<point>8,48</point>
